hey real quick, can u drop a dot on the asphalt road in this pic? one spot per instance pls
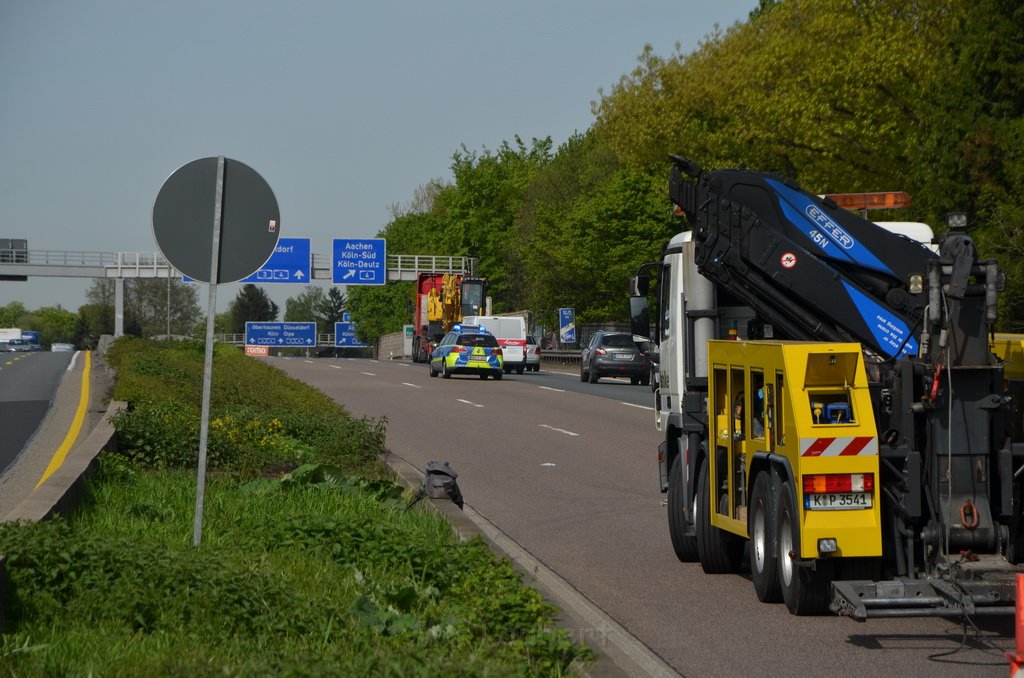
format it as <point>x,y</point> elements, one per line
<point>568,471</point>
<point>28,382</point>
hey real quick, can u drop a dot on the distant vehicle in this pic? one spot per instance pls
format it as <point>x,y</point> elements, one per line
<point>17,346</point>
<point>62,348</point>
<point>467,349</point>
<point>532,354</point>
<point>614,354</point>
<point>510,331</point>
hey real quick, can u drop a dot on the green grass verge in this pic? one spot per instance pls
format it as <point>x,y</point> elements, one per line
<point>316,572</point>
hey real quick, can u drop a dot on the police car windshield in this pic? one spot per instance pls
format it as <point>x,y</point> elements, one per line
<point>477,340</point>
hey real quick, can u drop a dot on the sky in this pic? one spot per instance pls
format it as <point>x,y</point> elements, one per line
<point>345,108</point>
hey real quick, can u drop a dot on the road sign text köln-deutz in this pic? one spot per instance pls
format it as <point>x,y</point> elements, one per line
<point>345,336</point>
<point>280,334</point>
<point>360,261</point>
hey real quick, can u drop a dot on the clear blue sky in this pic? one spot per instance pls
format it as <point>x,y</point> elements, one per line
<point>343,107</point>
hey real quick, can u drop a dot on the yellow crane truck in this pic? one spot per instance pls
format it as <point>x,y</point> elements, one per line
<point>861,446</point>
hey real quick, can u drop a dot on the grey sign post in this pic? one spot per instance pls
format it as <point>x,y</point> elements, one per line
<point>215,220</point>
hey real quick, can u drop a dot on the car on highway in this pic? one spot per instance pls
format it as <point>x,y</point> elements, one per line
<point>16,346</point>
<point>467,349</point>
<point>614,354</point>
<point>532,354</point>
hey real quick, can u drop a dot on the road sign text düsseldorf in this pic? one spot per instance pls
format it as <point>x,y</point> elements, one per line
<point>280,334</point>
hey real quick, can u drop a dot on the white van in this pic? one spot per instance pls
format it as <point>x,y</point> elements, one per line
<point>510,331</point>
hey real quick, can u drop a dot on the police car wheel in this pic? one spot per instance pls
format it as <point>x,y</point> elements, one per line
<point>445,372</point>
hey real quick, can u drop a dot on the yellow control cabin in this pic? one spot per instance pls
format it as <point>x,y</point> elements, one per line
<point>802,410</point>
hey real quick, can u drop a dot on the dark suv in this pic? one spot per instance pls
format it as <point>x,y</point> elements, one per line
<point>614,354</point>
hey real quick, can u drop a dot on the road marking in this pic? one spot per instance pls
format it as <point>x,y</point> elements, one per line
<point>556,390</point>
<point>559,430</point>
<point>468,402</point>
<point>310,362</point>
<point>369,374</point>
<point>76,424</point>
<point>547,463</point>
<point>405,383</point>
<point>639,407</point>
<point>337,367</point>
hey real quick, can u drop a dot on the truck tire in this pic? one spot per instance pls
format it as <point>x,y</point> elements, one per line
<point>804,589</point>
<point>719,551</point>
<point>764,559</point>
<point>685,545</point>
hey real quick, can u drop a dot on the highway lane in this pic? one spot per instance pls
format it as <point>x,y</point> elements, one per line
<point>567,470</point>
<point>28,382</point>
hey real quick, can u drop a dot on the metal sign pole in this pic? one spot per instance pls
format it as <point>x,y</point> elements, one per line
<point>204,423</point>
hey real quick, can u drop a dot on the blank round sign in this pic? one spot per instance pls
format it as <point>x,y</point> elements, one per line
<point>184,214</point>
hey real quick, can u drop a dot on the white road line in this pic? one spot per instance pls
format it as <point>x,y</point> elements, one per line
<point>639,407</point>
<point>337,367</point>
<point>556,390</point>
<point>559,430</point>
<point>469,402</point>
<point>308,361</point>
<point>405,383</point>
<point>369,374</point>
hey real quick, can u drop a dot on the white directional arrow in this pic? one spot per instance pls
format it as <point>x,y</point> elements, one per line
<point>299,275</point>
<point>350,273</point>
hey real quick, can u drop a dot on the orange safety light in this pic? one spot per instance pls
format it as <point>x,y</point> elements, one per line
<point>884,200</point>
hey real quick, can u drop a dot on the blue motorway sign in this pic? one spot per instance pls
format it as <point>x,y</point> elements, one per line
<point>289,263</point>
<point>360,261</point>
<point>567,325</point>
<point>345,336</point>
<point>280,334</point>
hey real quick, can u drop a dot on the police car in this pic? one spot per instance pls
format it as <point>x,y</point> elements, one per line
<point>467,349</point>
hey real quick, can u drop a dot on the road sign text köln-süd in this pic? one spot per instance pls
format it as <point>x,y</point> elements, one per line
<point>345,336</point>
<point>280,334</point>
<point>360,261</point>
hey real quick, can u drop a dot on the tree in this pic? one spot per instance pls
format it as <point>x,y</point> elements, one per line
<point>250,304</point>
<point>332,308</point>
<point>10,315</point>
<point>305,307</point>
<point>152,306</point>
<point>380,309</point>
<point>53,323</point>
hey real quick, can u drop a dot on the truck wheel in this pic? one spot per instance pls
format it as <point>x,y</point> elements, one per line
<point>763,558</point>
<point>445,372</point>
<point>804,589</point>
<point>719,552</point>
<point>685,545</point>
<point>519,370</point>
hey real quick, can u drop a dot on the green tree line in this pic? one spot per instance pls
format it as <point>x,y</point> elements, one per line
<point>839,96</point>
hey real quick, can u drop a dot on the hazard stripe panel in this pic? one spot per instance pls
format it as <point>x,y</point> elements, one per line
<point>838,447</point>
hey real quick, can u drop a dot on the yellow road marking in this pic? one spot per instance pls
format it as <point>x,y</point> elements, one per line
<point>76,424</point>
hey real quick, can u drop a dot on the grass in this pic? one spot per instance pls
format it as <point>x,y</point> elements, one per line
<point>323,570</point>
